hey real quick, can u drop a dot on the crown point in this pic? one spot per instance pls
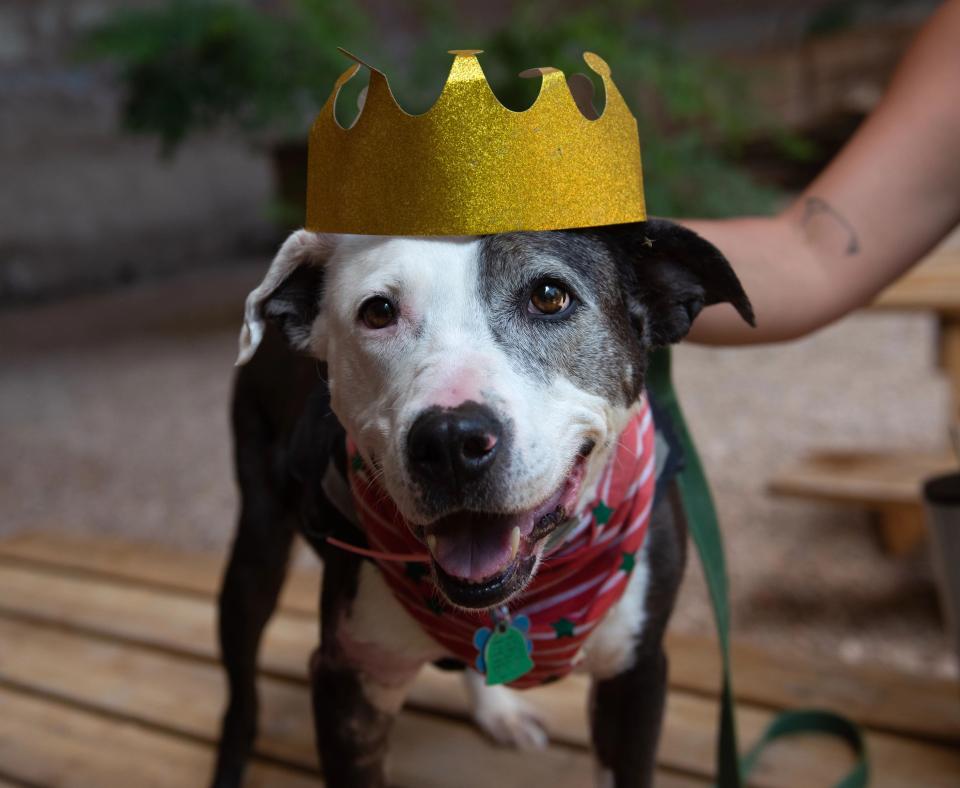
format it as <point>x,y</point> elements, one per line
<point>597,64</point>
<point>465,52</point>
<point>359,61</point>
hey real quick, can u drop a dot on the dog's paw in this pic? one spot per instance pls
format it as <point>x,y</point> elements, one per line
<point>505,717</point>
<point>518,726</point>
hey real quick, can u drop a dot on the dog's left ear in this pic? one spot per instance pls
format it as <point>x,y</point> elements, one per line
<point>669,274</point>
<point>290,294</point>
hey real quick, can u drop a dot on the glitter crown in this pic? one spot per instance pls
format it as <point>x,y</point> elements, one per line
<point>469,165</point>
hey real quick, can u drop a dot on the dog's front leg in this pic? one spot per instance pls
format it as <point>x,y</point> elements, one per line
<point>626,658</point>
<point>251,585</point>
<point>626,712</point>
<point>370,653</point>
<point>352,732</point>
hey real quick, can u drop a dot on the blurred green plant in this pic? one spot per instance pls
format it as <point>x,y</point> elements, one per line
<point>193,65</point>
<point>196,64</point>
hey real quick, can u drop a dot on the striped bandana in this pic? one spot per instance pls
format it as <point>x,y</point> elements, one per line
<point>577,581</point>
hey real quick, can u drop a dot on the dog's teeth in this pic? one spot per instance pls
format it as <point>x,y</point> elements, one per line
<point>432,542</point>
<point>514,541</point>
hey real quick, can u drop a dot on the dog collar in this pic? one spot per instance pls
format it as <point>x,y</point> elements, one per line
<point>575,585</point>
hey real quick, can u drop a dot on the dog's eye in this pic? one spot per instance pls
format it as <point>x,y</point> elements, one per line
<point>549,298</point>
<point>378,312</point>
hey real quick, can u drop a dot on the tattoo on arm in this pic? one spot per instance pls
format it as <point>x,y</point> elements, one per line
<point>814,207</point>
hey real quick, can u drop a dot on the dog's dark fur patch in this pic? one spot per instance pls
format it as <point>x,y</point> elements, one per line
<point>638,287</point>
<point>594,345</point>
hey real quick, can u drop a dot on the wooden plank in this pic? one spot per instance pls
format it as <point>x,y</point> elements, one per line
<point>45,743</point>
<point>185,696</point>
<point>902,527</point>
<point>188,694</point>
<point>925,708</point>
<point>872,478</point>
<point>150,565</point>
<point>889,484</point>
<point>148,616</point>
<point>934,285</point>
<point>950,360</point>
<point>812,760</point>
<point>689,739</point>
<point>916,706</point>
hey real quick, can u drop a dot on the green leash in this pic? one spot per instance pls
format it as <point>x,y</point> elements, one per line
<point>705,530</point>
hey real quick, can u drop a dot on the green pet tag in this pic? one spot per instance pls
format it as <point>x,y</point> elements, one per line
<point>504,650</point>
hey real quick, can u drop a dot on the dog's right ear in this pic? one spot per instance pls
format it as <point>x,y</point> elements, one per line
<point>290,294</point>
<point>669,275</point>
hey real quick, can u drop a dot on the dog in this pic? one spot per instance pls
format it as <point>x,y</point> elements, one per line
<point>485,383</point>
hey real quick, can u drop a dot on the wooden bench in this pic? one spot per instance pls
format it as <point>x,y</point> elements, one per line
<point>934,287</point>
<point>887,484</point>
<point>109,677</point>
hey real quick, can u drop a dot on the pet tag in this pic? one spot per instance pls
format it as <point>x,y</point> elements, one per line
<point>504,650</point>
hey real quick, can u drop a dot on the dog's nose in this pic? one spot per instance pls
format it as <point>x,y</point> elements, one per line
<point>454,446</point>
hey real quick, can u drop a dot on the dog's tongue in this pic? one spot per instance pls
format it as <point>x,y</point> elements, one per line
<point>472,546</point>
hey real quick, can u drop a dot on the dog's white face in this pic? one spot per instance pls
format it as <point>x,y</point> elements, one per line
<point>485,379</point>
<point>440,352</point>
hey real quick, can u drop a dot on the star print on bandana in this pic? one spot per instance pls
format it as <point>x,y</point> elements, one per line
<point>602,513</point>
<point>629,561</point>
<point>563,628</point>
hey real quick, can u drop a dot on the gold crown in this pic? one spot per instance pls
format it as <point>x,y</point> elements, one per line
<point>469,165</point>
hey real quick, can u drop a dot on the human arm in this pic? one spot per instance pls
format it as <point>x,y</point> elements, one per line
<point>887,198</point>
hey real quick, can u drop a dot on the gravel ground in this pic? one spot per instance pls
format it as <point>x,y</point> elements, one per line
<point>113,419</point>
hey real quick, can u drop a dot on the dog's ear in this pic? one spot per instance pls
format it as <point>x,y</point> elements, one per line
<point>290,294</point>
<point>669,274</point>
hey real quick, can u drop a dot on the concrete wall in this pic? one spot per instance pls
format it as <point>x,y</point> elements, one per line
<point>80,203</point>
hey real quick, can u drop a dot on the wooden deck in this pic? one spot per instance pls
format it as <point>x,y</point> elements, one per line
<point>109,677</point>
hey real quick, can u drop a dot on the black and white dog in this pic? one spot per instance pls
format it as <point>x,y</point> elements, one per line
<point>524,354</point>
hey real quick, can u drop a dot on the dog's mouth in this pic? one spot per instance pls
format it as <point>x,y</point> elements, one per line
<point>482,559</point>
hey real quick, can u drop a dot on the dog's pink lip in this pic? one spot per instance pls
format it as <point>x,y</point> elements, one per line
<point>475,547</point>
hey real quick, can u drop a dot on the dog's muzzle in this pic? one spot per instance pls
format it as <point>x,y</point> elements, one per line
<point>481,555</point>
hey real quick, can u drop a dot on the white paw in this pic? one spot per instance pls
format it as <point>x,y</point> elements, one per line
<point>504,716</point>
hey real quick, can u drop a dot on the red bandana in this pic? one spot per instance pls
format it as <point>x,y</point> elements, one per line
<point>577,581</point>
